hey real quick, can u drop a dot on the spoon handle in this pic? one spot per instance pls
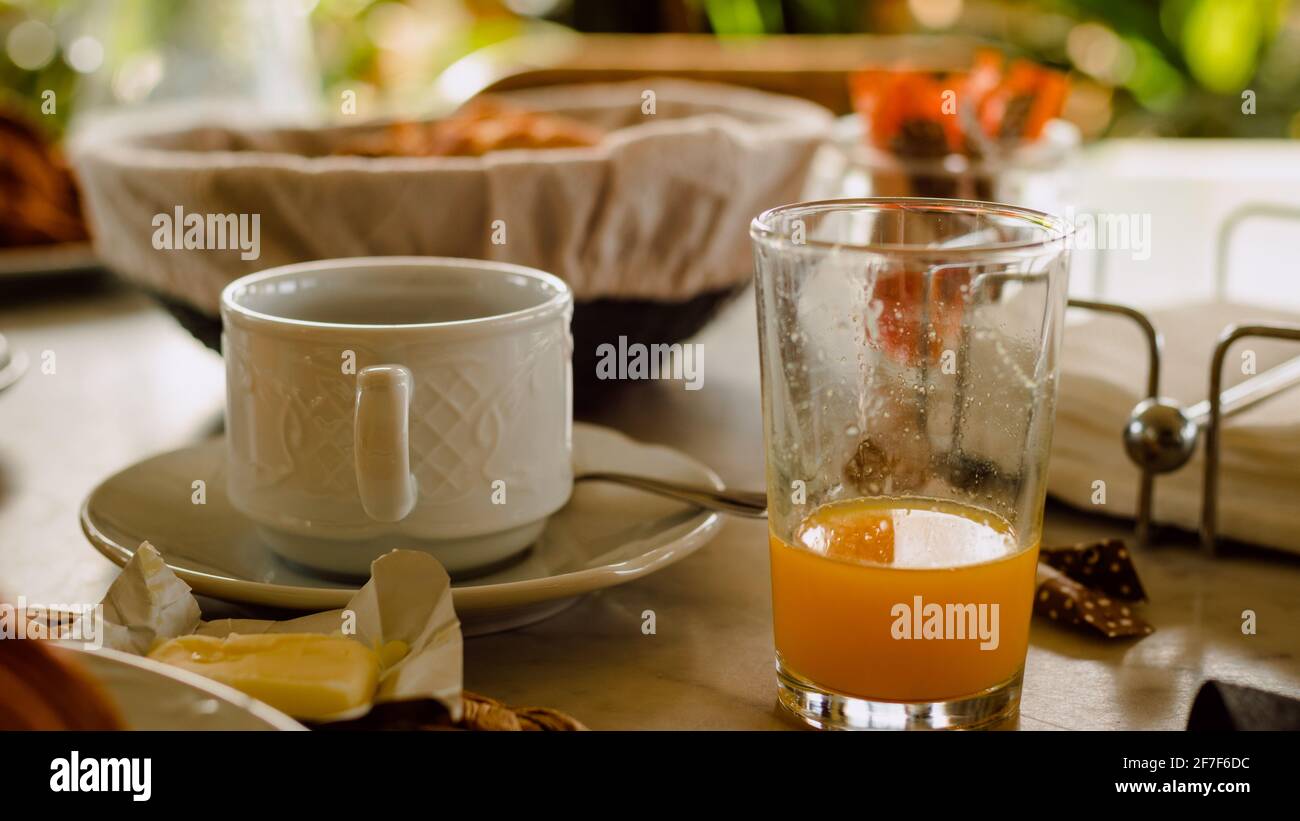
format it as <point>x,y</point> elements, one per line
<point>737,502</point>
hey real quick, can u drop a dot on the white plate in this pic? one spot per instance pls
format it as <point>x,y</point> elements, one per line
<point>57,258</point>
<point>606,535</point>
<point>154,696</point>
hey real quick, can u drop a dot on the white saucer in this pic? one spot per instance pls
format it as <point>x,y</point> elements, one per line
<point>606,535</point>
<point>150,695</point>
<point>12,364</point>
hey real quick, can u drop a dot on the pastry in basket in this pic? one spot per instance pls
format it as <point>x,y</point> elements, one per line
<point>42,691</point>
<point>38,197</point>
<point>481,126</point>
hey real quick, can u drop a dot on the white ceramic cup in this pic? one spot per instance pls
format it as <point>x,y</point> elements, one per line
<point>385,402</point>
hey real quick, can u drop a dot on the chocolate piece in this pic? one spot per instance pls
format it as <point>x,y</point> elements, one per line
<point>1065,600</point>
<point>1106,566</point>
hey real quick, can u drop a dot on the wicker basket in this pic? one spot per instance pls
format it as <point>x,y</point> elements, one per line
<point>649,227</point>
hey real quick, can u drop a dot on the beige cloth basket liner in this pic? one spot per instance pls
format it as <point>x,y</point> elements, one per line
<point>660,209</point>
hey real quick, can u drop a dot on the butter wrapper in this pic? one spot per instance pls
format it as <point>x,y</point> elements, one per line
<point>407,599</point>
<point>147,603</point>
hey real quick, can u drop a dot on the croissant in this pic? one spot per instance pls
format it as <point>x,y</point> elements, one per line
<point>47,691</point>
<point>39,203</point>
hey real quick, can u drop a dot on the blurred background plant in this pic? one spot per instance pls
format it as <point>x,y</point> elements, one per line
<point>1141,67</point>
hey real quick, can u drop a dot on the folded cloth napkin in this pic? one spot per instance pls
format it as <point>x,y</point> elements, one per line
<point>1223,706</point>
<point>1092,586</point>
<point>1104,366</point>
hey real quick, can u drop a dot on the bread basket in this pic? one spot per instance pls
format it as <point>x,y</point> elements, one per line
<point>649,226</point>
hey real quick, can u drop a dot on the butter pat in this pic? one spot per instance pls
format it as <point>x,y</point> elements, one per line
<point>306,675</point>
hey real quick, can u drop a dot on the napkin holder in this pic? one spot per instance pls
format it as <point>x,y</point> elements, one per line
<point>1161,435</point>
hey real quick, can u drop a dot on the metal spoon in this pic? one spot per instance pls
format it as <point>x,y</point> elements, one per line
<point>737,502</point>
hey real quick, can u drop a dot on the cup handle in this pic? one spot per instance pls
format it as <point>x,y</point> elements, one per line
<point>381,442</point>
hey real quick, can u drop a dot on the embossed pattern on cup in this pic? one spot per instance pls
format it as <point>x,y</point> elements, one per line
<point>489,417</point>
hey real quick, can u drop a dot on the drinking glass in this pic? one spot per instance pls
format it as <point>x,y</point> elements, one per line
<point>909,366</point>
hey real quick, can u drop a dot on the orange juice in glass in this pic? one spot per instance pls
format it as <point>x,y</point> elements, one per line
<point>909,378</point>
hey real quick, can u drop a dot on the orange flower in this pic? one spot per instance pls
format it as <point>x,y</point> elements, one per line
<point>905,110</point>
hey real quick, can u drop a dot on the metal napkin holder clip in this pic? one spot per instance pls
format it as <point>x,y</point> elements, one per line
<point>1161,435</point>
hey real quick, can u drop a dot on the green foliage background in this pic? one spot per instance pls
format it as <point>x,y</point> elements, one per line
<point>1187,63</point>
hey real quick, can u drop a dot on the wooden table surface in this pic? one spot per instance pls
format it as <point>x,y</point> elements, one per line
<point>128,382</point>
